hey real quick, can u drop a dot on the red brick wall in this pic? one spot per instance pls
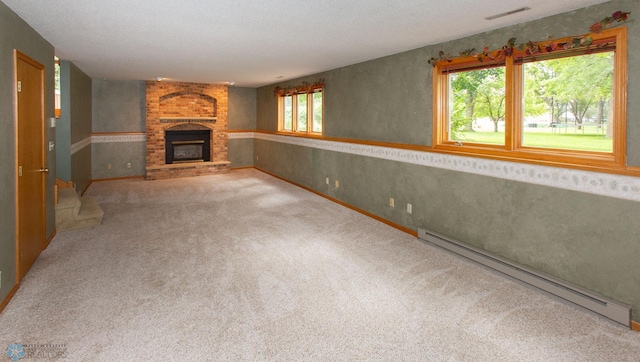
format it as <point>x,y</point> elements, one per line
<point>185,103</point>
<point>175,99</point>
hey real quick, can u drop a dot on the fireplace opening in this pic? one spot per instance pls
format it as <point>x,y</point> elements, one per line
<point>188,146</point>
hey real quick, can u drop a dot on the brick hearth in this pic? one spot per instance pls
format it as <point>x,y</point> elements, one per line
<point>184,106</point>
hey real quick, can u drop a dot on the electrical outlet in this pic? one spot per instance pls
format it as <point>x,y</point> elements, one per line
<point>392,202</point>
<point>128,164</point>
<point>337,184</point>
<point>409,208</point>
<point>109,167</point>
<point>257,158</point>
<point>327,181</point>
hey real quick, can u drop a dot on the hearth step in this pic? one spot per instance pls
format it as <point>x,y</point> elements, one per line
<point>75,212</point>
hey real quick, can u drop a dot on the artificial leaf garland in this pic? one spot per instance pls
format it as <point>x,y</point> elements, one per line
<point>618,16</point>
<point>531,47</point>
<point>305,87</point>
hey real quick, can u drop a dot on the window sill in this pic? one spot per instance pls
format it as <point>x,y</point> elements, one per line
<point>299,134</point>
<point>586,161</point>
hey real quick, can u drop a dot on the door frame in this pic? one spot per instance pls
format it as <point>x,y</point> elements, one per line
<point>21,56</point>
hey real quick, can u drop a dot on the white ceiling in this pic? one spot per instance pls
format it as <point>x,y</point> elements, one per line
<point>256,42</point>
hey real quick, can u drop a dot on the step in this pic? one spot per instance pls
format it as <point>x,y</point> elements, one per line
<point>89,210</point>
<point>74,212</point>
<point>68,199</point>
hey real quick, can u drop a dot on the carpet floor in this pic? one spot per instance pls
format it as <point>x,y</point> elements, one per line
<point>244,266</point>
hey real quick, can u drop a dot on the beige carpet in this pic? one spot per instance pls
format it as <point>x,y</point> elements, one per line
<point>244,266</point>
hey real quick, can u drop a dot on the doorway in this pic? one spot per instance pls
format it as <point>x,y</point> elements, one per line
<point>31,172</point>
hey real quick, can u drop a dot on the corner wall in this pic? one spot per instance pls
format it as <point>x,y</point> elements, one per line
<point>73,151</point>
<point>242,118</point>
<point>81,119</point>
<point>578,226</point>
<point>119,125</point>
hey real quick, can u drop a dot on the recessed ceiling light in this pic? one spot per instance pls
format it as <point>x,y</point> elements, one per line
<point>159,79</point>
<point>492,17</point>
<point>232,83</point>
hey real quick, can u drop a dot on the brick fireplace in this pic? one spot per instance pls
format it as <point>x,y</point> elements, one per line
<point>179,110</point>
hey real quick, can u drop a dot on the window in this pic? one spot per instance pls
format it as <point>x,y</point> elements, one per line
<point>554,105</point>
<point>300,111</point>
<point>56,65</point>
<point>287,123</point>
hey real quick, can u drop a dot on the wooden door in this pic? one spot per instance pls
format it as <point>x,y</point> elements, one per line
<point>31,162</point>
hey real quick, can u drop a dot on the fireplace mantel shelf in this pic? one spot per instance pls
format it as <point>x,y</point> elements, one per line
<point>188,119</point>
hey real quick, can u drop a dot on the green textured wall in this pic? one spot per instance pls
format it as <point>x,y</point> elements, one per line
<point>242,117</point>
<point>586,239</point>
<point>118,107</point>
<point>16,34</point>
<point>240,152</point>
<point>81,119</point>
<point>73,126</point>
<point>81,162</point>
<point>118,155</point>
<point>242,108</point>
<point>81,104</point>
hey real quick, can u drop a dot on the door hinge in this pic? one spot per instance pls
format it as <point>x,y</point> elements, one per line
<point>19,170</point>
<point>19,86</point>
<point>20,255</point>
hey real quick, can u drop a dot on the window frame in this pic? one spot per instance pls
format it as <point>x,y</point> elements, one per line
<point>57,95</point>
<point>513,149</point>
<point>294,112</point>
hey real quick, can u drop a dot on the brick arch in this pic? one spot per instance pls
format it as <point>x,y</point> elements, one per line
<point>187,127</point>
<point>188,103</point>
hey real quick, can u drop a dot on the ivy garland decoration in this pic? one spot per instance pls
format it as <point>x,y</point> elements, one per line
<point>532,47</point>
<point>305,87</point>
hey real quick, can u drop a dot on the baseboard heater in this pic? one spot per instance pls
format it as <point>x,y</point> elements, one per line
<point>577,295</point>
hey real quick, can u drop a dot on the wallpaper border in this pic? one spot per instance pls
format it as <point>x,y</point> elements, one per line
<point>618,186</point>
<point>118,138</point>
<point>80,145</point>
<point>107,139</point>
